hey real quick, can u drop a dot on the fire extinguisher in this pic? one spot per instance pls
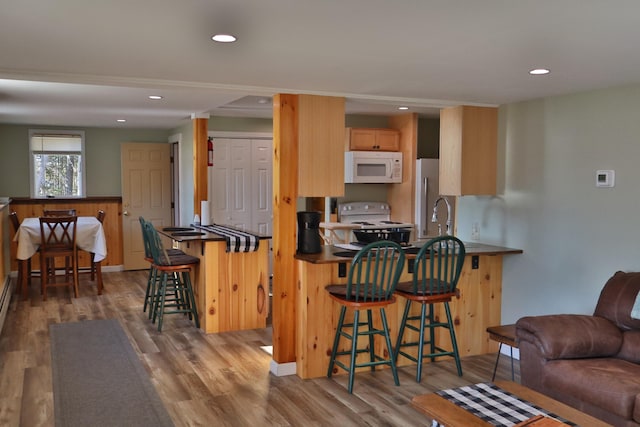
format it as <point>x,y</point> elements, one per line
<point>210,152</point>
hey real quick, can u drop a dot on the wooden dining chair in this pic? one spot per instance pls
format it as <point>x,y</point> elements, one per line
<point>371,281</point>
<point>59,212</point>
<point>58,240</point>
<point>437,269</point>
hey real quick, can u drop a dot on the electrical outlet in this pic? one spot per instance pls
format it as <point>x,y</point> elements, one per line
<point>475,231</point>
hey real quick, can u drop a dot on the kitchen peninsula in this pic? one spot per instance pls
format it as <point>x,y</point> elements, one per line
<point>231,288</point>
<point>477,307</point>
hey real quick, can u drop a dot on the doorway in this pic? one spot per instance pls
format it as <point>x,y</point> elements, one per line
<point>146,192</point>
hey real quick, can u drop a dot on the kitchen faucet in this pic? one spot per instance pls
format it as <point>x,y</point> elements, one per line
<point>434,217</point>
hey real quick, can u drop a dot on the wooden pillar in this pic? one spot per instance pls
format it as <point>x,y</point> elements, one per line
<point>401,196</point>
<point>200,180</point>
<point>285,190</point>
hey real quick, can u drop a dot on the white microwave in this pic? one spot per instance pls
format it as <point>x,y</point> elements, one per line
<point>372,167</point>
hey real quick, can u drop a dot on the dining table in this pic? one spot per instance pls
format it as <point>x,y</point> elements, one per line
<point>90,237</point>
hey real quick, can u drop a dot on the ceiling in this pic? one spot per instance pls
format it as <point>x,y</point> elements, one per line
<point>84,63</point>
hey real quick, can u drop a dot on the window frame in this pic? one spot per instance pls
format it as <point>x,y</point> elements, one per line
<point>82,176</point>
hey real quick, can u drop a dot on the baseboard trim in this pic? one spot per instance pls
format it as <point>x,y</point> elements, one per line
<point>282,369</point>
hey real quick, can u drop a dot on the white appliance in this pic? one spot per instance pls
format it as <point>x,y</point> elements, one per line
<point>426,195</point>
<point>368,215</point>
<point>372,167</point>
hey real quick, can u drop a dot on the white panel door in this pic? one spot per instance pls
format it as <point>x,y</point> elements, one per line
<point>146,192</point>
<point>220,181</point>
<point>262,187</point>
<point>240,184</point>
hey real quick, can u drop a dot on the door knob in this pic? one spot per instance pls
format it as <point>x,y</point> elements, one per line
<point>125,213</point>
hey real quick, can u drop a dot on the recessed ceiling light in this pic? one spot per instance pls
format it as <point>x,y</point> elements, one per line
<point>539,71</point>
<point>121,120</point>
<point>403,108</point>
<point>223,38</point>
<point>263,101</point>
<point>155,97</point>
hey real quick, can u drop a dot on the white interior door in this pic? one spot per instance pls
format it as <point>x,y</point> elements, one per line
<point>240,184</point>
<point>262,186</point>
<point>146,192</point>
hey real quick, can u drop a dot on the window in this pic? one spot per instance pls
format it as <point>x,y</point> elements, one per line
<point>57,163</point>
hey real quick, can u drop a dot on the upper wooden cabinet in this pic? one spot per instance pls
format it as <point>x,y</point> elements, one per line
<point>365,139</point>
<point>468,150</point>
<point>320,146</point>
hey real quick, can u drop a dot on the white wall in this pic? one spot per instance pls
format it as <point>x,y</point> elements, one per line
<point>574,235</point>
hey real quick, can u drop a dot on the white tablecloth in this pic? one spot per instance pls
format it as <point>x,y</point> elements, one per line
<point>89,237</point>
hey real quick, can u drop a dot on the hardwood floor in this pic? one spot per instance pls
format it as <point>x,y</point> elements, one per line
<point>204,380</point>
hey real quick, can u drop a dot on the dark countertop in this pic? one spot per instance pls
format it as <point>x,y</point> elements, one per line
<point>190,233</point>
<point>472,248</point>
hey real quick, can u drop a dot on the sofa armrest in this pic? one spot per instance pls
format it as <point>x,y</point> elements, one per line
<point>570,336</point>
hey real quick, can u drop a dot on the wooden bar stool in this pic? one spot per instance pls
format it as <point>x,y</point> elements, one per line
<point>174,280</point>
<point>372,278</point>
<point>504,334</point>
<point>436,272</point>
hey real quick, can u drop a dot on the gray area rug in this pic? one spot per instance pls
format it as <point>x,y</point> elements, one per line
<point>98,379</point>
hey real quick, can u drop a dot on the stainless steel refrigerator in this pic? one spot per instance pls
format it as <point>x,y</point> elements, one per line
<point>426,195</point>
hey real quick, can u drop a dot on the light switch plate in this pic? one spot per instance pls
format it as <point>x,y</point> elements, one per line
<point>605,178</point>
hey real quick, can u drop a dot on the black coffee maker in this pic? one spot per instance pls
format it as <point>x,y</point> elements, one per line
<point>309,232</point>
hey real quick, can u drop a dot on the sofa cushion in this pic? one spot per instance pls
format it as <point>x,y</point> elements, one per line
<point>608,383</point>
<point>570,336</point>
<point>630,349</point>
<point>617,299</point>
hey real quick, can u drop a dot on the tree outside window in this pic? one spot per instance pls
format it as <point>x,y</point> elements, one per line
<point>57,164</point>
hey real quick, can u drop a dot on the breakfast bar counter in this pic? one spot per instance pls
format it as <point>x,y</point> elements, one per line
<point>231,288</point>
<point>477,306</point>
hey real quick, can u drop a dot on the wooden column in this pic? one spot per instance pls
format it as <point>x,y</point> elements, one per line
<point>285,190</point>
<point>401,197</point>
<point>200,181</point>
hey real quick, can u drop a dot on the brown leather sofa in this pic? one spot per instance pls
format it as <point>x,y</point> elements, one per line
<point>589,362</point>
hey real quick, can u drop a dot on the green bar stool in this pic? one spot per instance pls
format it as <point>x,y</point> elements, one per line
<point>152,279</point>
<point>371,281</point>
<point>435,276</point>
<point>172,277</point>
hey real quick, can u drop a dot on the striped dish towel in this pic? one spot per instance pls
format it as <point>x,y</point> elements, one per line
<point>237,240</point>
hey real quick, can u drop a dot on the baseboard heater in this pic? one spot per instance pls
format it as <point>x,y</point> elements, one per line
<point>5,299</point>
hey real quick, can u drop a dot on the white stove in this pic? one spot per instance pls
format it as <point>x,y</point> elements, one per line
<point>369,216</point>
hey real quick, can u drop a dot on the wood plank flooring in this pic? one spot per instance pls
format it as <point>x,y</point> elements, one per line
<point>206,380</point>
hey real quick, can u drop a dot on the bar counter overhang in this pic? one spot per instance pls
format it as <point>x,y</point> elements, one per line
<point>231,288</point>
<point>477,307</point>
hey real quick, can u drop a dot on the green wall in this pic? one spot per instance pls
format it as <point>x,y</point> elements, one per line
<point>574,235</point>
<point>102,156</point>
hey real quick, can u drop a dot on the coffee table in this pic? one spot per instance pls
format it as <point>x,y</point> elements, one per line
<point>451,415</point>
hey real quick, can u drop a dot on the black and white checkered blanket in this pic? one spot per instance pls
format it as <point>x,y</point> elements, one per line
<point>237,241</point>
<point>494,405</point>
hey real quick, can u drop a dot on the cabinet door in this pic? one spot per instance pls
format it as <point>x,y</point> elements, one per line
<point>387,140</point>
<point>362,139</point>
<point>365,139</point>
